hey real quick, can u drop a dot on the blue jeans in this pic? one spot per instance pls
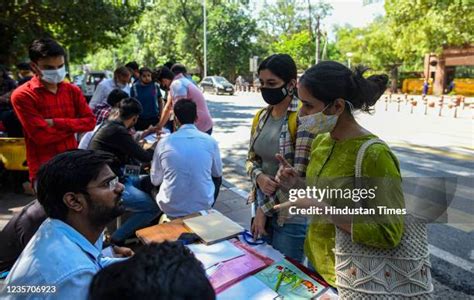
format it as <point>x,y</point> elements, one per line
<point>288,239</point>
<point>142,207</point>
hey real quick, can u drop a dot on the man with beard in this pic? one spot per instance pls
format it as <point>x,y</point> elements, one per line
<point>80,194</point>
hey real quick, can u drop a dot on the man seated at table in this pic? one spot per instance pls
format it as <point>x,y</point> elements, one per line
<point>114,137</point>
<point>105,111</point>
<point>159,271</point>
<point>80,195</point>
<point>184,164</point>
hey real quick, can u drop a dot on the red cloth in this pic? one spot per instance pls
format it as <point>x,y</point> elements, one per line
<point>68,108</point>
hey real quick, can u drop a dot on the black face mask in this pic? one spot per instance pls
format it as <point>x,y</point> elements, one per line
<point>273,96</point>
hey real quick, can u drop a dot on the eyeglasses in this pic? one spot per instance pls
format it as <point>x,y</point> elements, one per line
<point>111,184</point>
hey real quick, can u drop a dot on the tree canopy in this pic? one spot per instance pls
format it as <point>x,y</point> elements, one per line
<point>107,33</point>
<point>81,26</point>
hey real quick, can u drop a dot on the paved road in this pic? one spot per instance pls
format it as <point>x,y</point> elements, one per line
<point>426,145</point>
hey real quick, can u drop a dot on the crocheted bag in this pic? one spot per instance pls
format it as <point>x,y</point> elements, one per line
<point>365,272</point>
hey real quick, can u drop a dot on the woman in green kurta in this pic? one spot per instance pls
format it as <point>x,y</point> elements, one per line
<point>330,92</point>
<point>332,162</point>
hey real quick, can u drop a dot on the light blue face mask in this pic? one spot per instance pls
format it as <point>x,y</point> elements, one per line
<point>54,76</point>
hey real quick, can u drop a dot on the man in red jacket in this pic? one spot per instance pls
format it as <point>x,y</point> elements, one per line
<point>50,110</point>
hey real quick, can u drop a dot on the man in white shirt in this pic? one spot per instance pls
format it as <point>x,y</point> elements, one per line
<point>185,164</point>
<point>120,81</point>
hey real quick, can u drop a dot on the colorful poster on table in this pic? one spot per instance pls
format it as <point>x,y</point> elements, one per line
<point>290,282</point>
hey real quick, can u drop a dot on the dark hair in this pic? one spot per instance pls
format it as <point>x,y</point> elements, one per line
<point>169,64</point>
<point>185,110</point>
<point>129,107</point>
<point>67,172</point>
<point>282,65</point>
<point>144,69</point>
<point>121,71</point>
<point>158,271</point>
<point>45,48</point>
<point>178,69</point>
<point>132,65</point>
<point>162,73</point>
<point>330,80</point>
<point>23,66</point>
<point>115,96</point>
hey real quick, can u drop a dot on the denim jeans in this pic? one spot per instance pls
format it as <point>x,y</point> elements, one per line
<point>288,239</point>
<point>141,205</point>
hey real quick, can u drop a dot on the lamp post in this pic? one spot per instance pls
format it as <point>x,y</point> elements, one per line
<point>349,55</point>
<point>205,37</point>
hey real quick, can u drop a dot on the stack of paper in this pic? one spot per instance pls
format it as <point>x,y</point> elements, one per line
<point>214,254</point>
<point>213,228</point>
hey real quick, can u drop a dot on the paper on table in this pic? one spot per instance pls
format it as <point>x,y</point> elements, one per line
<point>150,139</point>
<point>216,253</point>
<point>249,288</point>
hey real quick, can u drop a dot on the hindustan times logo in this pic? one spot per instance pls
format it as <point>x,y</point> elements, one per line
<point>331,193</point>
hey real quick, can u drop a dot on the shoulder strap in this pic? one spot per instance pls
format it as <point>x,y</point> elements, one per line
<point>361,153</point>
<point>292,125</point>
<point>256,119</point>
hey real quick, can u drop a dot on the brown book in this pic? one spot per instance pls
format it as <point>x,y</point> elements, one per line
<point>163,232</point>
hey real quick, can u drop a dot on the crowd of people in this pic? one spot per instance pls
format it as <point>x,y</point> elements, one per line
<point>88,164</point>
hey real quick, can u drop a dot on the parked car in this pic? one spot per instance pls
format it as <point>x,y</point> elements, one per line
<point>78,79</point>
<point>217,85</point>
<point>91,80</point>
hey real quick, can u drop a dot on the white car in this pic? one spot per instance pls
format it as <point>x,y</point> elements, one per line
<point>91,80</point>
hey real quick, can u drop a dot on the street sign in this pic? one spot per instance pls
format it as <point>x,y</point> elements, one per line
<point>253,64</point>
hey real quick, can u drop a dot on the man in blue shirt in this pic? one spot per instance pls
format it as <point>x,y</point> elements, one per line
<point>187,165</point>
<point>149,95</point>
<point>80,195</point>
